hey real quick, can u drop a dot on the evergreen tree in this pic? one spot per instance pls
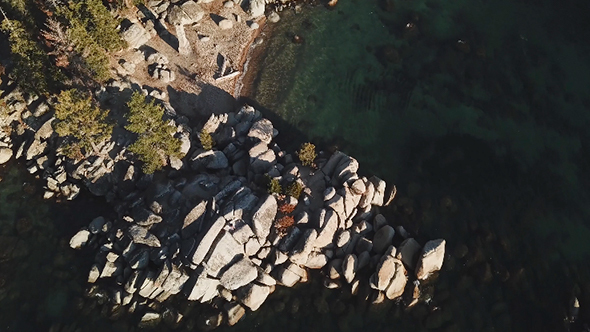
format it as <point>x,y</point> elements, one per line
<point>30,62</point>
<point>91,31</point>
<point>102,26</point>
<point>58,37</point>
<point>81,119</point>
<point>155,141</point>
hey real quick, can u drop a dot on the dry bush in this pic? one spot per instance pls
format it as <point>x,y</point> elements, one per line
<point>286,208</point>
<point>284,224</point>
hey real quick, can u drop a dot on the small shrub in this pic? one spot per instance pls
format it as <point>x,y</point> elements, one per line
<point>307,154</point>
<point>294,190</point>
<point>206,140</point>
<point>286,208</point>
<point>284,224</point>
<point>274,187</point>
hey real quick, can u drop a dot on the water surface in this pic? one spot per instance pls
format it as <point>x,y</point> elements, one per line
<point>478,111</point>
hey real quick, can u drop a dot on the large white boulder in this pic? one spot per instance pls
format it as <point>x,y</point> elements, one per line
<point>431,259</point>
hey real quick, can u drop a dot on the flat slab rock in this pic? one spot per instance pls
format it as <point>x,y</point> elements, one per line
<point>264,216</point>
<point>239,274</point>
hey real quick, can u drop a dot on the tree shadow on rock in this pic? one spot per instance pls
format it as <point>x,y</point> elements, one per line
<point>211,100</point>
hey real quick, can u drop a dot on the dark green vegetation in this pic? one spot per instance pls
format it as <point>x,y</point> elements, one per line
<point>81,119</point>
<point>56,45</point>
<point>29,59</point>
<point>294,189</point>
<point>155,141</point>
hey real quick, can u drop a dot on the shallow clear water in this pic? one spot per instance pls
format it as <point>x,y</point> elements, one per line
<point>478,111</point>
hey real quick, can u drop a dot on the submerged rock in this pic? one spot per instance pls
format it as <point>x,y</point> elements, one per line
<point>253,295</point>
<point>234,312</point>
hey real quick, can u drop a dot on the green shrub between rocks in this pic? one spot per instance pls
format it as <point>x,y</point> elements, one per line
<point>206,140</point>
<point>294,190</point>
<point>307,154</point>
<point>274,187</point>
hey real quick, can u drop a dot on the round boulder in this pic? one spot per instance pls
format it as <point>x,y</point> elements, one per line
<point>5,155</point>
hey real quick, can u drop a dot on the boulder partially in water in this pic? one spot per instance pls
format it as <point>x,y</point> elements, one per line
<point>79,239</point>
<point>431,259</point>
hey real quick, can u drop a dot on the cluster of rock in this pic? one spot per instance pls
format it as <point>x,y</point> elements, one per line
<point>209,231</point>
<point>162,72</point>
<point>29,119</point>
<point>212,233</point>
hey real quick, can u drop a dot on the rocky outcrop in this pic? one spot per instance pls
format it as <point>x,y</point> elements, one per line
<point>213,233</point>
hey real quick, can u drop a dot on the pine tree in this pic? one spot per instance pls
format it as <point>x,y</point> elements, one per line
<point>102,26</point>
<point>30,62</point>
<point>81,119</point>
<point>154,136</point>
<point>93,31</point>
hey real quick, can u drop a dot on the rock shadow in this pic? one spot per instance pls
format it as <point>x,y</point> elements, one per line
<point>216,18</point>
<point>211,100</point>
<point>147,51</point>
<point>163,33</point>
<point>290,138</point>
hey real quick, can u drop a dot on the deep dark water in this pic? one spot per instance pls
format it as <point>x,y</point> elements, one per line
<point>477,110</point>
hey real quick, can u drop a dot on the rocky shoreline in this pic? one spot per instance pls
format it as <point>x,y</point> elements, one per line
<point>218,237</point>
<point>208,229</point>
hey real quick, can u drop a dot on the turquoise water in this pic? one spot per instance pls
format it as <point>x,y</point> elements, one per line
<point>478,111</point>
